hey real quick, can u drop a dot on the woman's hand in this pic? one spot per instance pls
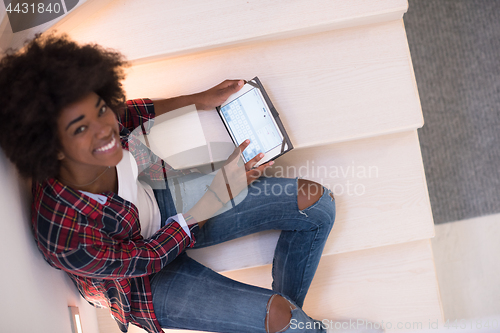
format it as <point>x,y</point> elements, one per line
<point>206,100</point>
<point>252,172</point>
<point>209,99</point>
<point>234,176</point>
<point>229,181</point>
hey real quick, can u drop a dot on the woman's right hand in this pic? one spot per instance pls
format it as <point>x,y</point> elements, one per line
<point>234,176</point>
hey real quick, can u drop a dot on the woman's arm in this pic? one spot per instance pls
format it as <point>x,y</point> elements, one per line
<point>140,111</point>
<point>79,236</point>
<point>205,100</point>
<point>88,251</point>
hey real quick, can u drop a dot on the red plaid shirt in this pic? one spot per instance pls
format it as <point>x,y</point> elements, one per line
<point>100,245</point>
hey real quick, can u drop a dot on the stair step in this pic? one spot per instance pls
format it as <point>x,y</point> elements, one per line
<point>146,30</point>
<point>328,87</point>
<point>81,14</point>
<point>395,283</point>
<point>380,191</point>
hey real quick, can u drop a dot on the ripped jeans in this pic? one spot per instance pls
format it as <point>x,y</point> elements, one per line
<point>188,295</point>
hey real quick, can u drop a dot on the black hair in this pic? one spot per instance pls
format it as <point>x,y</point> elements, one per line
<point>36,83</point>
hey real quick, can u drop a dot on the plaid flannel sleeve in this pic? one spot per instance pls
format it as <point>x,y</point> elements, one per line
<point>138,119</point>
<point>78,245</point>
<point>138,112</point>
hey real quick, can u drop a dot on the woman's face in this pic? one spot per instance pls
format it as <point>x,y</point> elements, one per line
<point>88,131</point>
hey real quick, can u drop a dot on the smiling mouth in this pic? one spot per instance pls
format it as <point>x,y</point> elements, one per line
<point>107,147</point>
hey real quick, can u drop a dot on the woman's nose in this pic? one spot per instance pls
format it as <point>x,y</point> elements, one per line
<point>103,130</point>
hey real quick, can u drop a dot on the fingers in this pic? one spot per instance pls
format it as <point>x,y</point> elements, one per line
<point>231,86</point>
<point>234,83</point>
<point>250,164</point>
<point>264,165</point>
<point>252,172</point>
<point>244,145</point>
<point>260,169</point>
<point>217,95</point>
<point>237,152</point>
<point>257,172</point>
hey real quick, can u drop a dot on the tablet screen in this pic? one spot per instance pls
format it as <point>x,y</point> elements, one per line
<point>248,117</point>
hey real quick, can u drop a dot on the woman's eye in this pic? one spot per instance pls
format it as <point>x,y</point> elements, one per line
<point>80,129</point>
<point>103,109</point>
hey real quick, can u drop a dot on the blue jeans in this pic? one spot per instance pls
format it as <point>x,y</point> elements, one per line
<point>188,295</point>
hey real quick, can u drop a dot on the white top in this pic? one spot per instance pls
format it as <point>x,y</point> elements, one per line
<point>141,195</point>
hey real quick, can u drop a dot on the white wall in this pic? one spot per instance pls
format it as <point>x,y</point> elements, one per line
<point>35,296</point>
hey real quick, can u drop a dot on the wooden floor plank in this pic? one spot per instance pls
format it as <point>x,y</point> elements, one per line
<point>157,28</point>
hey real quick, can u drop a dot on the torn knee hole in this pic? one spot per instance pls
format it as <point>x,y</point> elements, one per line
<point>279,314</point>
<point>308,193</point>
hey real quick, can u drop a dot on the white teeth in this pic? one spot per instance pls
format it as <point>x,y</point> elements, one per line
<point>108,146</point>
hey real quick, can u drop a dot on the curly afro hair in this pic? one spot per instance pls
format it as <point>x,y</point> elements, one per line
<point>48,74</point>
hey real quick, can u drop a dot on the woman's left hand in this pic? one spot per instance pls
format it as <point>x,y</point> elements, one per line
<point>209,99</point>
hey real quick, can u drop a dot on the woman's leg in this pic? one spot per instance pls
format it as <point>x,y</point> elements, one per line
<point>294,206</point>
<point>188,295</point>
<point>307,211</point>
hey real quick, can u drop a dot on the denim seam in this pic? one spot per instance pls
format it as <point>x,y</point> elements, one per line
<point>284,264</point>
<point>308,263</point>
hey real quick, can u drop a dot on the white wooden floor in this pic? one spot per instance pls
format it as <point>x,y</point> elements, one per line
<point>467,255</point>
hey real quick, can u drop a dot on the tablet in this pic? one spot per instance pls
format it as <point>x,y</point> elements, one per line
<point>250,114</point>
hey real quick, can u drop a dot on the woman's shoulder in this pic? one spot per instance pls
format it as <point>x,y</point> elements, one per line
<point>53,197</point>
<point>50,189</point>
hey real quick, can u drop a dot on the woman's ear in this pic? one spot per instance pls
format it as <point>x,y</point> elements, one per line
<point>60,155</point>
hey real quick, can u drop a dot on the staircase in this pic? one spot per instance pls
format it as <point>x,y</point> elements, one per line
<point>340,74</point>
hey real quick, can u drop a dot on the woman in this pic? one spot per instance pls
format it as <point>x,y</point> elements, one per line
<point>103,213</point>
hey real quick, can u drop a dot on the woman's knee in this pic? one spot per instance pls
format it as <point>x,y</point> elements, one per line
<point>308,192</point>
<point>279,314</point>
